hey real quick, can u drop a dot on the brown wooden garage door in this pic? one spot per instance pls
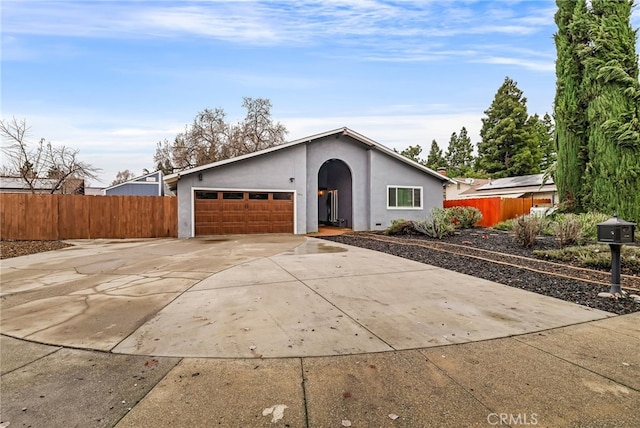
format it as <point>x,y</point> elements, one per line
<point>220,213</point>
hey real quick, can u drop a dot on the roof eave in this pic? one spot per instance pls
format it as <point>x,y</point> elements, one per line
<point>171,179</point>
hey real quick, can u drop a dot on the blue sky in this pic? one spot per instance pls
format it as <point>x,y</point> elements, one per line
<point>112,78</point>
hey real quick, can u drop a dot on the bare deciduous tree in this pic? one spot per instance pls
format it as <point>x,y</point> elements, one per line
<point>210,138</point>
<point>123,177</point>
<point>59,164</point>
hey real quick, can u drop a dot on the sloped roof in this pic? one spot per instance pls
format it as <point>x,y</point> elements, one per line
<point>512,187</point>
<point>18,183</point>
<point>173,178</point>
<point>139,180</point>
<point>473,182</point>
<point>521,181</point>
<point>518,191</point>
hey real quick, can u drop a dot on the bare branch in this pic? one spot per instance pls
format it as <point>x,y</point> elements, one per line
<point>58,164</point>
<point>210,138</point>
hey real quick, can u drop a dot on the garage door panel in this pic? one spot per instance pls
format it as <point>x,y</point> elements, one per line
<point>258,217</point>
<point>259,228</point>
<point>207,229</point>
<point>218,212</point>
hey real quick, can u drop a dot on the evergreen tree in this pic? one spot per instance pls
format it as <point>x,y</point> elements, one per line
<point>612,176</point>
<point>543,131</point>
<point>459,155</point>
<point>413,153</point>
<point>508,146</point>
<point>435,159</point>
<point>572,42</point>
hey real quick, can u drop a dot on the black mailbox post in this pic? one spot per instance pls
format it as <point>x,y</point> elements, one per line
<point>616,232</point>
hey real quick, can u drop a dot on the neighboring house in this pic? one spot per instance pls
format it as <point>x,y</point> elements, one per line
<point>526,186</point>
<point>151,184</point>
<point>74,186</point>
<point>454,189</point>
<point>94,191</point>
<point>338,177</point>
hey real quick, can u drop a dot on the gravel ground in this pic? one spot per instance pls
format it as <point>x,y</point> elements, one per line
<point>10,249</point>
<point>570,290</point>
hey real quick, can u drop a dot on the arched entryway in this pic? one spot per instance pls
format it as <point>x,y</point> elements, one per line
<point>335,201</point>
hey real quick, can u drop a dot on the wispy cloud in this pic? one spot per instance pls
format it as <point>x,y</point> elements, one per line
<point>370,29</point>
<point>545,66</point>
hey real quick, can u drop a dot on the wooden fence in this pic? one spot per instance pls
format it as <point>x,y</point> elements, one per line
<point>50,217</point>
<point>495,210</point>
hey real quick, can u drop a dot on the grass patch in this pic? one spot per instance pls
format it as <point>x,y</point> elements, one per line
<point>505,225</point>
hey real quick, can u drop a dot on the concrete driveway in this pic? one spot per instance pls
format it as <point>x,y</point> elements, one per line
<point>282,330</point>
<point>266,295</point>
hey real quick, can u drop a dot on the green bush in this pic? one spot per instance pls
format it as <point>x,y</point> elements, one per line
<point>400,227</point>
<point>464,217</point>
<point>589,225</point>
<point>437,224</point>
<point>526,228</point>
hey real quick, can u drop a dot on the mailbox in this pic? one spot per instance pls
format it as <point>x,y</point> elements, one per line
<point>616,231</point>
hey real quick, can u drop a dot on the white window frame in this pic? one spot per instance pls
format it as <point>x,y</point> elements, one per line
<point>393,186</point>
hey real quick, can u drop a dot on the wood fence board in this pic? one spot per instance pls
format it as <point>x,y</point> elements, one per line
<point>14,210</point>
<point>73,216</point>
<point>49,217</point>
<point>489,207</point>
<point>497,209</point>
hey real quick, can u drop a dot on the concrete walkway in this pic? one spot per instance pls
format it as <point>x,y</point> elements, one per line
<point>281,330</point>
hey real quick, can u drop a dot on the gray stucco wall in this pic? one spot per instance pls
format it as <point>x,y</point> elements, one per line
<point>271,171</point>
<point>371,172</point>
<point>355,156</point>
<point>387,171</point>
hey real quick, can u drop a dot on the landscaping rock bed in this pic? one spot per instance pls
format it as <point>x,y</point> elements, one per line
<point>10,249</point>
<point>576,291</point>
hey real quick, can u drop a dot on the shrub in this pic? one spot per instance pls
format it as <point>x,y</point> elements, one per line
<point>464,217</point>
<point>400,227</point>
<point>594,256</point>
<point>567,230</point>
<point>437,224</point>
<point>526,228</point>
<point>589,225</point>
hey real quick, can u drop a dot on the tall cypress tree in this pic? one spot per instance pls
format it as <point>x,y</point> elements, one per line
<point>571,41</point>
<point>612,173</point>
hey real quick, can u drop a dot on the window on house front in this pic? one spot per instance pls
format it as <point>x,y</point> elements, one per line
<point>404,197</point>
